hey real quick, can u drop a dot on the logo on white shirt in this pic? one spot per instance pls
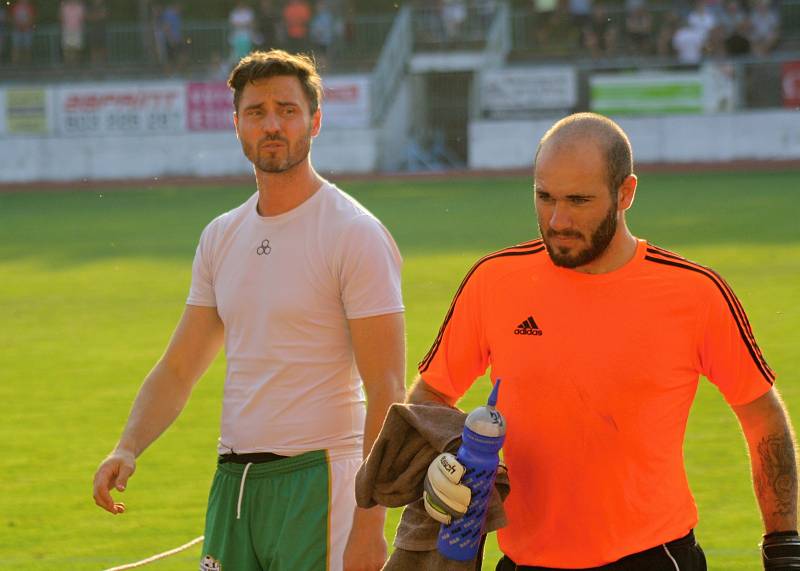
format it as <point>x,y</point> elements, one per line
<point>264,249</point>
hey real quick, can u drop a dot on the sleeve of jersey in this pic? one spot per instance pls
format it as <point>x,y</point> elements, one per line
<point>729,355</point>
<point>460,353</point>
<point>370,270</point>
<point>201,292</point>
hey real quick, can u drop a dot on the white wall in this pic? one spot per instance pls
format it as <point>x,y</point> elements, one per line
<point>394,132</point>
<point>748,135</point>
<point>29,158</point>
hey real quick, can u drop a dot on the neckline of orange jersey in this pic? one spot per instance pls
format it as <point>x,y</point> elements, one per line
<point>622,271</point>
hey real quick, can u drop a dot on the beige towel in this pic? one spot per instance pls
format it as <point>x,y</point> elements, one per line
<point>393,474</point>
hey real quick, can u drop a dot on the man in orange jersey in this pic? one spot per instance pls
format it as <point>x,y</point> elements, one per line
<point>600,338</point>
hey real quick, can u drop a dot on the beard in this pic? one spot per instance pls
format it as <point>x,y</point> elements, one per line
<point>276,162</point>
<point>599,241</point>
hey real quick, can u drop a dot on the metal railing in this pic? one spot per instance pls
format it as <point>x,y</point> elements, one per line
<point>391,63</point>
<point>132,47</point>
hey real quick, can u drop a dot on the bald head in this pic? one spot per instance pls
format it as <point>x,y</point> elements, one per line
<point>575,130</point>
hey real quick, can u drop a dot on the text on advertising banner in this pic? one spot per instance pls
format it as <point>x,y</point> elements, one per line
<point>514,92</point>
<point>791,84</point>
<point>121,109</point>
<point>209,106</point>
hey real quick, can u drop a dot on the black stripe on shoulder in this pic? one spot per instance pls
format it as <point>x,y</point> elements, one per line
<point>732,301</point>
<point>526,249</point>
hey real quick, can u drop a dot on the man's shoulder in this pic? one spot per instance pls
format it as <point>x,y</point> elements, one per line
<point>672,267</point>
<point>519,257</point>
<point>222,222</point>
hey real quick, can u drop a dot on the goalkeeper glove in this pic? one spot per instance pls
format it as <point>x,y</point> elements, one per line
<point>780,551</point>
<point>445,498</point>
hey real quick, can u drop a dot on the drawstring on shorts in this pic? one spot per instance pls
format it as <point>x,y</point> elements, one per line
<point>241,491</point>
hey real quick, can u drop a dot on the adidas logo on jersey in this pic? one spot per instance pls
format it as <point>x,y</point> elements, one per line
<point>528,327</point>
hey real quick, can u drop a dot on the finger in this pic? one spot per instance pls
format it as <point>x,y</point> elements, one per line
<point>101,494</point>
<point>125,472</point>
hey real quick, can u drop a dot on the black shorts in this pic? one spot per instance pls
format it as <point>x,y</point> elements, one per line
<point>683,554</point>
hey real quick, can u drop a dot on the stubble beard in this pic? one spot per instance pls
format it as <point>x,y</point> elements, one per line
<point>600,239</point>
<point>271,162</point>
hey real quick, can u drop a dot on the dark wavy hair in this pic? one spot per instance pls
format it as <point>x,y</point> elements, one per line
<point>259,65</point>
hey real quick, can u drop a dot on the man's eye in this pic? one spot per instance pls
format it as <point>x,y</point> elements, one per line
<point>579,200</point>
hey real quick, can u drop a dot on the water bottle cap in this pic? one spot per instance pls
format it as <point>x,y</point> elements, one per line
<point>487,420</point>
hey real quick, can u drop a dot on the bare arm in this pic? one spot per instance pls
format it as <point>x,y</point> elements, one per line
<point>421,392</point>
<point>772,456</point>
<point>379,348</point>
<point>161,398</point>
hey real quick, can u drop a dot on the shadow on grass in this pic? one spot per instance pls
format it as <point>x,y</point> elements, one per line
<point>66,228</point>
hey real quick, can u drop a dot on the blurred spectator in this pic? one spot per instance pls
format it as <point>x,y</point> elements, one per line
<point>23,20</point>
<point>544,8</point>
<point>639,28</point>
<point>702,18</point>
<point>96,19</point>
<point>555,34</point>
<point>454,15</point>
<point>670,22</point>
<point>581,12</point>
<point>689,42</point>
<point>242,21</point>
<point>269,25</point>
<point>72,16</point>
<point>172,24</point>
<point>296,19</point>
<point>600,34</point>
<point>734,25</point>
<point>764,28</point>
<point>326,30</point>
<point>3,30</point>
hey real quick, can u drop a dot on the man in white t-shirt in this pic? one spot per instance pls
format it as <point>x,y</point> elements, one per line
<point>302,284</point>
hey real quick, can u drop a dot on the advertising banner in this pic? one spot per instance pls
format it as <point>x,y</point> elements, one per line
<point>209,106</point>
<point>790,81</point>
<point>25,110</point>
<point>121,109</point>
<point>520,91</point>
<point>711,89</point>
<point>346,101</point>
<point>647,92</point>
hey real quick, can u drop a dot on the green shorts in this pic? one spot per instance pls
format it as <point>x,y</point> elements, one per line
<point>272,516</point>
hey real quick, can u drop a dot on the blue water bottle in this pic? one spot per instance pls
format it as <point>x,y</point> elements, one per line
<point>483,436</point>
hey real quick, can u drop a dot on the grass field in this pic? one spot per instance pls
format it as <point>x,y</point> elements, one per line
<point>92,283</point>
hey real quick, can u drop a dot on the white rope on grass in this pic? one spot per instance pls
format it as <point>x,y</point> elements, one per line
<point>158,556</point>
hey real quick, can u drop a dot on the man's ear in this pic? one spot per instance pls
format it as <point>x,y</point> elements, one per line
<point>316,122</point>
<point>627,192</point>
<point>236,123</point>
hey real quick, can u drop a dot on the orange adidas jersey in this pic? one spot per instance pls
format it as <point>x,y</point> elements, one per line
<point>599,373</point>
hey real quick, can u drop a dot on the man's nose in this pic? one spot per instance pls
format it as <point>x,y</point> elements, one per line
<point>270,123</point>
<point>560,219</point>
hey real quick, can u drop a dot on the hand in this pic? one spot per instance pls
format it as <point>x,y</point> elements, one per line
<point>113,473</point>
<point>780,551</point>
<point>366,548</point>
<point>445,498</point>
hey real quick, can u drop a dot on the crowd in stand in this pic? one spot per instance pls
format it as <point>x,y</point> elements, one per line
<point>708,28</point>
<point>296,25</point>
<point>600,28</point>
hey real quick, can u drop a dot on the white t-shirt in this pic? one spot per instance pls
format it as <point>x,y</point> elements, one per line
<point>284,287</point>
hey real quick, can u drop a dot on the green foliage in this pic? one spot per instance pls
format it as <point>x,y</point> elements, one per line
<point>93,283</point>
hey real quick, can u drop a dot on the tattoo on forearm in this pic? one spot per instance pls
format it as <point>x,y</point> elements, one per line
<point>777,479</point>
